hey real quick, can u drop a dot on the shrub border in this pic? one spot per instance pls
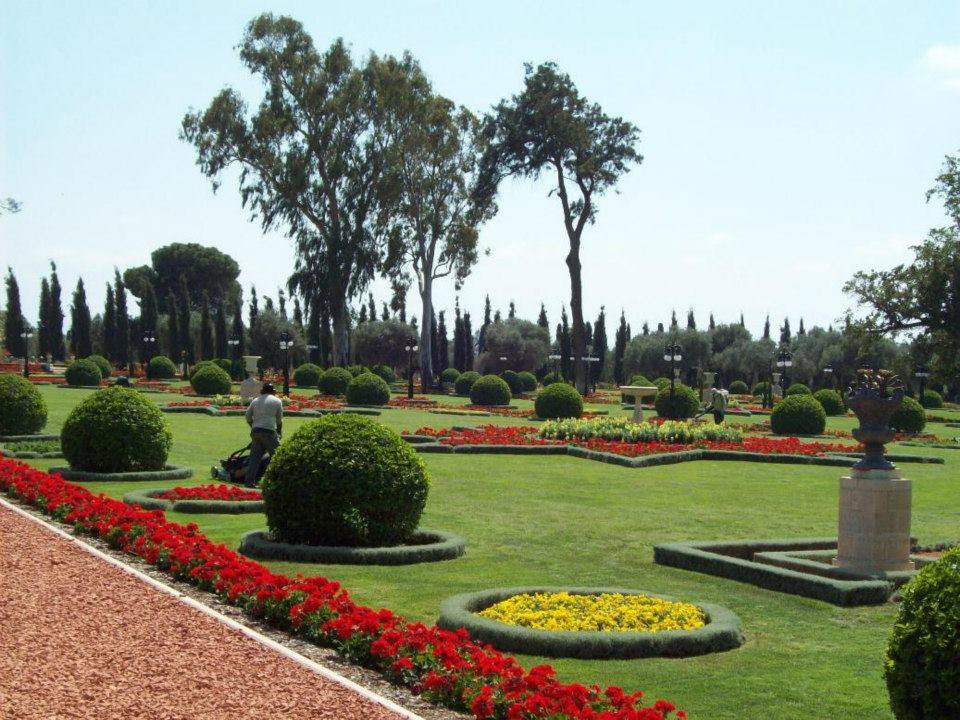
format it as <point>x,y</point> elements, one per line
<point>170,472</point>
<point>443,546</point>
<point>215,411</point>
<point>147,500</point>
<point>38,437</point>
<point>724,631</point>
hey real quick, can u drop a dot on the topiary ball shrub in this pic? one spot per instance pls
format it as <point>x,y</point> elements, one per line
<point>641,381</point>
<point>161,367</point>
<point>921,668</point>
<point>307,375</point>
<point>116,430</point>
<point>490,390</point>
<point>224,364</point>
<point>199,366</point>
<point>449,376</point>
<point>798,389</point>
<point>798,415</point>
<point>661,383</point>
<point>762,387</point>
<point>559,400</point>
<point>22,407</point>
<point>465,382</point>
<point>83,373</point>
<point>550,378</point>
<point>910,418</point>
<point>368,389</point>
<point>831,401</point>
<point>344,480</point>
<point>512,379</point>
<point>739,387</point>
<point>334,381</point>
<point>355,370</point>
<point>386,372</point>
<point>932,399</point>
<point>106,369</point>
<point>528,381</point>
<point>684,404</point>
<point>210,379</point>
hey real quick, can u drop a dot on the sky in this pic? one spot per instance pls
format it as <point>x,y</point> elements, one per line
<point>786,145</point>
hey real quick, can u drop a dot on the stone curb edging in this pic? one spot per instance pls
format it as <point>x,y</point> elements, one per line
<point>439,546</point>
<point>170,472</point>
<point>147,500</point>
<point>724,630</point>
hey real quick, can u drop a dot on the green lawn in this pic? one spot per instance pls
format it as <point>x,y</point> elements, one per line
<point>567,521</point>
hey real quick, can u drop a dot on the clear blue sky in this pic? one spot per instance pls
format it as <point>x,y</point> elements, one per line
<point>785,146</point>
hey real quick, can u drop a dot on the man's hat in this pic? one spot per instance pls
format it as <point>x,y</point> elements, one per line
<point>267,388</point>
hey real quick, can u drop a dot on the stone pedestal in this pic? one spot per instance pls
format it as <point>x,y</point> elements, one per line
<point>706,390</point>
<point>638,393</point>
<point>874,532</point>
<point>250,387</point>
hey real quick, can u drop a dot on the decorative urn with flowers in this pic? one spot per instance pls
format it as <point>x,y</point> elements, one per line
<point>874,398</point>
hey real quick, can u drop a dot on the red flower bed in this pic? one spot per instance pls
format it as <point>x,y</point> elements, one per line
<point>211,492</point>
<point>502,411</point>
<point>445,667</point>
<point>417,401</point>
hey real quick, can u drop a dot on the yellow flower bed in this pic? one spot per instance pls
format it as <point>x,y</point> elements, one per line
<point>607,612</point>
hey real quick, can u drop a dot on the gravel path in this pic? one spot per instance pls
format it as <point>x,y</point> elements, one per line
<point>80,638</point>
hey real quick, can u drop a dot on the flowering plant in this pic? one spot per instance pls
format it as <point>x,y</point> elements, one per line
<point>625,430</point>
<point>211,492</point>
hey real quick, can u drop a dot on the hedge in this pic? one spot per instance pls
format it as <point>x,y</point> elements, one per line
<point>723,630</point>
<point>335,380</point>
<point>422,546</point>
<point>23,410</point>
<point>146,500</point>
<point>170,472</point>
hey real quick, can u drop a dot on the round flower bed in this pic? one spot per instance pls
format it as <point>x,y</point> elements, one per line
<point>591,623</point>
<point>421,546</point>
<point>200,499</point>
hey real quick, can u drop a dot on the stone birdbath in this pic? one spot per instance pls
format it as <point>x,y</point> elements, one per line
<point>638,393</point>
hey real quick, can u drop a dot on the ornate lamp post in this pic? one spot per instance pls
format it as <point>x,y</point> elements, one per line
<point>286,342</point>
<point>556,366</point>
<point>828,371</point>
<point>310,349</point>
<point>149,339</point>
<point>673,354</point>
<point>784,362</point>
<point>922,374</point>
<point>233,342</point>
<point>411,349</point>
<point>25,336</point>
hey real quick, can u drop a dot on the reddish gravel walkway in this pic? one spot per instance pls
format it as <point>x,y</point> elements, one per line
<point>80,638</point>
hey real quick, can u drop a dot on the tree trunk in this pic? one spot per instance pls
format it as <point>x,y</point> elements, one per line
<point>426,322</point>
<point>576,312</point>
<point>340,345</point>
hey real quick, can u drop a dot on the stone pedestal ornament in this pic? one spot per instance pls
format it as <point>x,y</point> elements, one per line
<point>706,390</point>
<point>776,390</point>
<point>250,387</point>
<point>638,393</point>
<point>874,518</point>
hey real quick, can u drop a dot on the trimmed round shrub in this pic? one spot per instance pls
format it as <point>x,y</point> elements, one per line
<point>83,373</point>
<point>344,480</point>
<point>910,418</point>
<point>512,380</point>
<point>762,387</point>
<point>307,375</point>
<point>932,399</point>
<point>662,382</point>
<point>368,389</point>
<point>550,378</point>
<point>22,407</point>
<point>528,381</point>
<point>210,379</point>
<point>161,367</point>
<point>355,370</point>
<point>224,364</point>
<point>198,366</point>
<point>386,372</point>
<point>559,400</point>
<point>685,403</point>
<point>334,381</point>
<point>449,375</point>
<point>106,368</point>
<point>921,667</point>
<point>798,415</point>
<point>831,401</point>
<point>465,382</point>
<point>490,390</point>
<point>798,389</point>
<point>116,430</point>
<point>739,387</point>
<point>641,381</point>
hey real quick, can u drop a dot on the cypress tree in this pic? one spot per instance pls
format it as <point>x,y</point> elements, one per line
<point>206,328</point>
<point>673,320</point>
<point>173,328</point>
<point>513,310</point>
<point>148,321</point>
<point>468,352</point>
<point>110,326</point>
<point>646,328</point>
<point>599,345</point>
<point>223,347</point>
<point>458,362</point>
<point>766,328</point>
<point>482,339</point>
<point>691,323</point>
<point>371,307</point>
<point>713,325</point>
<point>443,347</point>
<point>282,304</point>
<point>13,322</point>
<point>184,320</point>
<point>254,308</point>
<point>385,312</point>
<point>362,317</point>
<point>297,313</point>
<point>123,319</point>
<point>55,315</point>
<point>542,320</point>
<point>619,349</point>
<point>742,324</point>
<point>496,318</point>
<point>660,329</point>
<point>236,329</point>
<point>80,343</point>
<point>801,330</point>
<point>785,334</point>
<point>43,320</point>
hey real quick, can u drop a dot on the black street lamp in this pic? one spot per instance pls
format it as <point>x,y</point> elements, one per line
<point>25,336</point>
<point>591,378</point>
<point>310,349</point>
<point>149,338</point>
<point>784,362</point>
<point>828,370</point>
<point>286,342</point>
<point>673,354</point>
<point>234,343</point>
<point>556,367</point>
<point>411,349</point>
<point>922,373</point>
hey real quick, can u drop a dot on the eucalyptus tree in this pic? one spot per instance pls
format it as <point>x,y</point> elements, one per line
<point>550,128</point>
<point>312,158</point>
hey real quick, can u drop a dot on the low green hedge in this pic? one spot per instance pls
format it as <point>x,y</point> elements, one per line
<point>147,500</point>
<point>723,630</point>
<point>170,472</point>
<point>422,546</point>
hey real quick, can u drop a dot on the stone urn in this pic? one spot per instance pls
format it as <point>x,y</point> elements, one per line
<point>250,387</point>
<point>874,409</point>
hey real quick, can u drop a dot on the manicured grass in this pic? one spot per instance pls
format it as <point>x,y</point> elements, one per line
<point>560,520</point>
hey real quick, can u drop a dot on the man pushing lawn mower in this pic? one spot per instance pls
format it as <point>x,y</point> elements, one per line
<point>265,418</point>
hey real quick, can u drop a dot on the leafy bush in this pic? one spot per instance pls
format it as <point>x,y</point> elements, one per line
<point>449,375</point>
<point>161,367</point>
<point>116,430</point>
<point>921,667</point>
<point>22,408</point>
<point>307,375</point>
<point>684,404</point>
<point>465,382</point>
<point>739,387</point>
<point>368,389</point>
<point>334,381</point>
<point>210,379</point>
<point>550,378</point>
<point>490,390</point>
<point>386,372</point>
<point>831,401</point>
<point>910,418</point>
<point>932,399</point>
<point>355,370</point>
<point>762,387</point>
<point>344,480</point>
<point>83,373</point>
<point>798,389</point>
<point>224,364</point>
<point>625,430</point>
<point>106,369</point>
<point>528,381</point>
<point>641,381</point>
<point>512,380</point>
<point>559,400</point>
<point>199,366</point>
<point>661,383</point>
<point>798,415</point>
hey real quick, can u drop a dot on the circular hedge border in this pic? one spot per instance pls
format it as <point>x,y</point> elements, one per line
<point>723,630</point>
<point>148,501</point>
<point>434,545</point>
<point>170,472</point>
